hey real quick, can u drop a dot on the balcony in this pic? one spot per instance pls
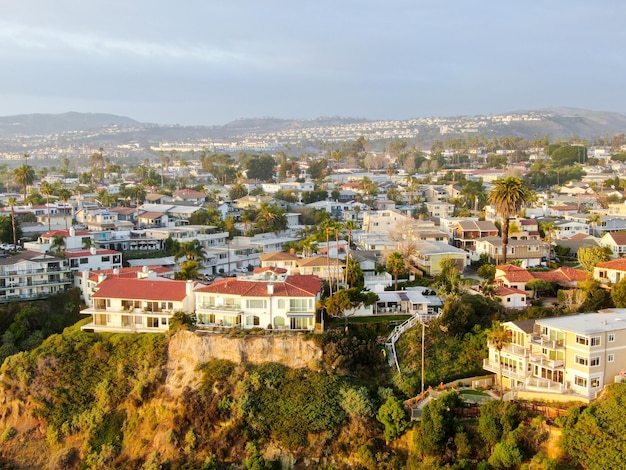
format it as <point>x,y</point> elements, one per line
<point>513,349</point>
<point>506,371</point>
<point>546,343</point>
<point>545,362</point>
<point>220,308</point>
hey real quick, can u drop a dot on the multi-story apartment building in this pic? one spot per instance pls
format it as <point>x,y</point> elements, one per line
<point>574,354</point>
<point>30,275</point>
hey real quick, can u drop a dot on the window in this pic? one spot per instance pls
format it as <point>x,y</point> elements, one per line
<point>594,362</point>
<point>297,305</point>
<point>583,361</point>
<point>255,303</point>
<point>84,261</point>
<point>544,330</point>
<point>106,259</point>
<point>281,304</point>
<point>508,299</point>
<point>152,322</point>
<point>595,341</point>
<point>580,381</point>
<point>582,340</point>
<point>610,358</point>
<point>611,338</point>
<point>595,382</point>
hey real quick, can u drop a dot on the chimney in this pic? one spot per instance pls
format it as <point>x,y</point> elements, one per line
<point>101,277</point>
<point>93,250</point>
<point>270,288</point>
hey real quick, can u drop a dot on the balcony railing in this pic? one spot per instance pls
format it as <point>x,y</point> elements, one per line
<point>513,349</point>
<point>227,308</point>
<point>546,343</point>
<point>506,370</point>
<point>545,362</point>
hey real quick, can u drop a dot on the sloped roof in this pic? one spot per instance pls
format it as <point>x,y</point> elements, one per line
<point>504,291</point>
<point>127,273</point>
<point>617,264</point>
<point>64,233</point>
<point>618,237</point>
<point>513,273</point>
<point>142,289</point>
<point>527,326</point>
<point>292,286</point>
<point>277,256</point>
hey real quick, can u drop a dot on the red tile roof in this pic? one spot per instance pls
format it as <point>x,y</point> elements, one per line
<point>617,264</point>
<point>277,256</point>
<point>292,286</point>
<point>64,233</point>
<point>142,289</point>
<point>503,291</point>
<point>514,273</point>
<point>272,269</point>
<point>189,194</point>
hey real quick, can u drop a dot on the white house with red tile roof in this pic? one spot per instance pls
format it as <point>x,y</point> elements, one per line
<point>512,276</point>
<point>189,195</point>
<point>279,259</point>
<point>266,300</point>
<point>138,305</point>
<point>512,298</point>
<point>610,271</point>
<point>87,281</point>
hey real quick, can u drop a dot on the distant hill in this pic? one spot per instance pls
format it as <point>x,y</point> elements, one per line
<point>43,124</point>
<point>558,123</point>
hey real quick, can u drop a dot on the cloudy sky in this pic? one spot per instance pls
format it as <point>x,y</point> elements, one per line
<point>211,61</point>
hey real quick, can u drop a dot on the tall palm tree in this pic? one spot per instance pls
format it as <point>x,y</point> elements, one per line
<point>395,265</point>
<point>191,250</point>
<point>11,201</point>
<point>508,196</point>
<point>46,190</point>
<point>24,175</point>
<point>499,337</point>
<point>64,196</point>
<point>58,244</point>
<point>548,229</point>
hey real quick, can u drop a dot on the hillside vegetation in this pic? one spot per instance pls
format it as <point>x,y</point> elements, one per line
<point>85,400</point>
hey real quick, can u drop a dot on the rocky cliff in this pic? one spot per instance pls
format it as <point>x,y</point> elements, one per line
<point>188,350</point>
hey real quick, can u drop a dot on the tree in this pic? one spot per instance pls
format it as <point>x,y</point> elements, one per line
<point>618,293</point>
<point>395,266</point>
<point>594,220</point>
<point>260,167</point>
<point>237,191</point>
<point>11,201</point>
<point>58,244</point>
<point>449,283</point>
<point>270,219</point>
<point>393,416</point>
<point>189,269</point>
<point>538,285</point>
<point>590,257</point>
<point>508,196</point>
<point>487,272</point>
<point>46,190</point>
<point>24,175</point>
<point>64,196</point>
<point>499,337</point>
<point>191,250</point>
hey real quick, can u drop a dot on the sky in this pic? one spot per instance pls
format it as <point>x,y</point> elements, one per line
<point>208,62</point>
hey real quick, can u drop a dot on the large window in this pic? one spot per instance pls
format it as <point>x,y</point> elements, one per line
<point>595,382</point>
<point>580,381</point>
<point>256,303</point>
<point>594,362</point>
<point>582,340</point>
<point>298,305</point>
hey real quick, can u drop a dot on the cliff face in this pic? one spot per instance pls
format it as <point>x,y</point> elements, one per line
<point>188,350</point>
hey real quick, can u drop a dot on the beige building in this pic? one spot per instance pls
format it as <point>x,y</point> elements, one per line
<point>574,355</point>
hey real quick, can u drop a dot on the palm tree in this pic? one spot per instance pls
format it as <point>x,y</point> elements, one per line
<point>488,289</point>
<point>395,265</point>
<point>64,196</point>
<point>58,244</point>
<point>46,190</point>
<point>192,250</point>
<point>548,229</point>
<point>499,337</point>
<point>594,220</point>
<point>507,196</point>
<point>188,270</point>
<point>11,201</point>
<point>24,175</point>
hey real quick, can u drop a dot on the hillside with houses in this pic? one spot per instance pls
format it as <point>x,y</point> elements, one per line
<point>476,275</point>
